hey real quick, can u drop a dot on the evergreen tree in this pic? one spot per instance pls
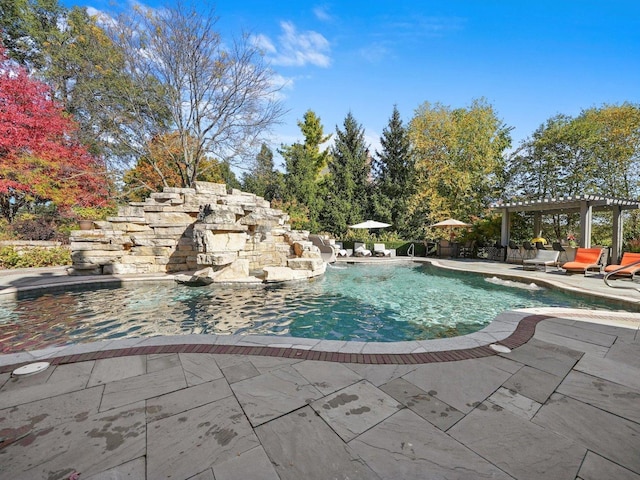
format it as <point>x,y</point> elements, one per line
<point>263,179</point>
<point>348,184</point>
<point>304,164</point>
<point>394,171</point>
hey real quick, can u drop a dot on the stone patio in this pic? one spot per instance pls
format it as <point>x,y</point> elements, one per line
<point>561,405</point>
<point>542,411</point>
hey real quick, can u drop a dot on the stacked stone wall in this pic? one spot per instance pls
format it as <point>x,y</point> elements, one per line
<point>190,229</point>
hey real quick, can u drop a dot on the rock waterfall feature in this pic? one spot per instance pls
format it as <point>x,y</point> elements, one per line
<point>205,234</point>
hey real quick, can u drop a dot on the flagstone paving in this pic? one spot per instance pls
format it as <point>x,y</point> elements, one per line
<point>563,404</point>
<point>541,411</point>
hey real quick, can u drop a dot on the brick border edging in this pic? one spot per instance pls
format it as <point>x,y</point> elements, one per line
<point>522,334</point>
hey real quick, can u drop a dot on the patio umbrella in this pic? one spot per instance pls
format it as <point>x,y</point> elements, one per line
<point>370,224</point>
<point>449,223</point>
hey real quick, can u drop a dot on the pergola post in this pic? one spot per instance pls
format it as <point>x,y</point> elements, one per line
<point>537,223</point>
<point>616,243</point>
<point>586,215</point>
<point>506,227</point>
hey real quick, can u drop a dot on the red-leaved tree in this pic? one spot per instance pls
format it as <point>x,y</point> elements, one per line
<point>40,162</point>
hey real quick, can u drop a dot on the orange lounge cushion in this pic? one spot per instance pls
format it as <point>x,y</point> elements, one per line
<point>627,258</point>
<point>585,257</point>
<point>625,271</point>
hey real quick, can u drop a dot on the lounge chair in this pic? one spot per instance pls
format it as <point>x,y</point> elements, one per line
<point>379,250</point>
<point>360,251</point>
<point>543,258</point>
<point>587,259</point>
<point>628,258</point>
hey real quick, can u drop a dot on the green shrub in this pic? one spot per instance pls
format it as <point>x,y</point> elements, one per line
<point>6,232</point>
<point>34,257</point>
<point>94,213</point>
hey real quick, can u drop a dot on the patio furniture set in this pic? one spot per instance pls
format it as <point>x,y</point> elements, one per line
<point>587,260</point>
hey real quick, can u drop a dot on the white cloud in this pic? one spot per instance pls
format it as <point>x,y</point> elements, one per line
<point>281,84</point>
<point>424,26</point>
<point>265,44</point>
<point>298,48</point>
<point>375,52</point>
<point>322,14</point>
<point>103,19</point>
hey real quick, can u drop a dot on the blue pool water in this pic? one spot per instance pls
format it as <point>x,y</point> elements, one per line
<point>351,302</point>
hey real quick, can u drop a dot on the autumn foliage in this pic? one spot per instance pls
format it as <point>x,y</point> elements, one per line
<point>40,161</point>
<point>164,165</point>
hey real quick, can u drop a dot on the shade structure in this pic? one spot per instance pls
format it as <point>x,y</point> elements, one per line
<point>370,224</point>
<point>450,222</point>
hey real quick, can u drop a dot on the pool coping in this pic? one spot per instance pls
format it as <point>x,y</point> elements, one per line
<point>510,329</point>
<point>376,353</point>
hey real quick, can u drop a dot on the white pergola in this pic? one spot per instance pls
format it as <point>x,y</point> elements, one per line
<point>585,204</point>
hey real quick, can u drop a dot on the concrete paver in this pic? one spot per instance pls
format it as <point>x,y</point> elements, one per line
<point>519,447</point>
<point>533,383</point>
<point>427,406</point>
<point>596,429</point>
<point>273,394</point>
<point>515,403</point>
<point>91,444</point>
<point>596,467</point>
<point>603,394</point>
<point>355,409</point>
<point>188,443</point>
<point>301,445</point>
<point>562,404</point>
<point>550,358</point>
<point>407,446</point>
<point>463,385</point>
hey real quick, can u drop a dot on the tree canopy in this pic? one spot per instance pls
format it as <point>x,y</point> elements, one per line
<point>219,95</point>
<point>304,163</point>
<point>163,166</point>
<point>596,152</point>
<point>263,179</point>
<point>347,197</point>
<point>39,160</point>
<point>459,160</point>
<point>393,169</point>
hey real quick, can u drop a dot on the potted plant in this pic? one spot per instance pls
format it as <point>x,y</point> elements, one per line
<point>85,216</point>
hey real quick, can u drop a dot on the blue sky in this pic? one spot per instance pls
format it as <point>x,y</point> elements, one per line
<point>530,59</point>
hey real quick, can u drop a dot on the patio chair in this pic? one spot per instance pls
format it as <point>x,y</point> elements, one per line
<point>529,250</point>
<point>628,258</point>
<point>557,246</point>
<point>466,250</point>
<point>587,259</point>
<point>543,258</point>
<point>514,252</point>
<point>359,250</point>
<point>379,250</point>
<point>446,248</point>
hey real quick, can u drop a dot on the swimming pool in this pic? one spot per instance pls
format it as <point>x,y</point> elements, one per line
<point>383,303</point>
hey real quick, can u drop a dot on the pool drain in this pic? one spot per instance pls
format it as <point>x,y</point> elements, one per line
<point>30,369</point>
<point>499,348</point>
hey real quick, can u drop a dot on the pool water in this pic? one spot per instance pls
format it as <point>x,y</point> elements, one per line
<point>383,303</point>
